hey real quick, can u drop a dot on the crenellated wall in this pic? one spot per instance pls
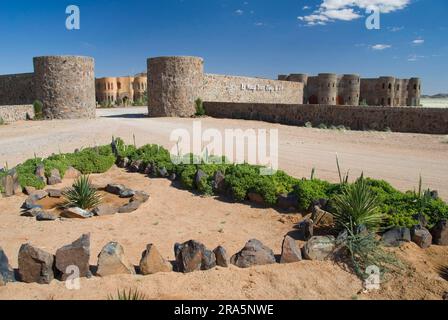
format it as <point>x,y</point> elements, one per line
<point>17,89</point>
<point>400,119</point>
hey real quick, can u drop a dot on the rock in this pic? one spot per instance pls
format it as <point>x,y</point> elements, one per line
<point>39,195</point>
<point>40,173</point>
<point>287,201</point>
<point>130,207</point>
<point>35,265</point>
<point>222,259</point>
<point>193,256</point>
<point>321,203</point>
<point>319,248</point>
<point>256,198</point>
<point>135,166</point>
<point>77,213</point>
<point>6,272</point>
<point>30,203</point>
<point>199,176</point>
<point>434,194</point>
<point>440,233</point>
<point>126,193</point>
<point>254,253</point>
<point>219,183</point>
<point>45,216</point>
<point>321,217</point>
<point>306,228</point>
<point>112,260</point>
<point>421,236</point>
<point>53,193</point>
<point>163,173</point>
<point>72,173</point>
<point>422,221</point>
<point>148,169</point>
<point>152,261</point>
<point>445,296</point>
<point>396,237</point>
<point>33,212</point>
<point>140,196</point>
<point>29,190</point>
<point>76,254</point>
<point>172,177</point>
<point>54,178</point>
<point>105,210</point>
<point>8,185</point>
<point>115,188</point>
<point>123,163</point>
<point>290,251</point>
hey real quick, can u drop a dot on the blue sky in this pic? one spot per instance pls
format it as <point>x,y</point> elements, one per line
<point>254,37</point>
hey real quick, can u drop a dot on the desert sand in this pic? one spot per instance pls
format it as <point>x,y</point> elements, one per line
<point>174,215</point>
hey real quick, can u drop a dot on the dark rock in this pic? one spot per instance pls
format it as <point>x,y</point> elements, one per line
<point>72,173</point>
<point>54,178</point>
<point>33,212</point>
<point>40,173</point>
<point>199,176</point>
<point>321,203</point>
<point>38,195</point>
<point>445,296</point>
<point>77,213</point>
<point>140,196</point>
<point>254,253</point>
<point>148,169</point>
<point>75,254</point>
<point>306,228</point>
<point>112,260</point>
<point>319,248</point>
<point>321,217</point>
<point>256,198</point>
<point>222,259</point>
<point>30,204</point>
<point>130,207</point>
<point>135,166</point>
<point>115,188</point>
<point>193,256</point>
<point>440,233</point>
<point>396,237</point>
<point>172,177</point>
<point>163,173</point>
<point>152,261</point>
<point>434,194</point>
<point>123,163</point>
<point>6,272</point>
<point>10,183</point>
<point>290,251</point>
<point>45,216</point>
<point>53,193</point>
<point>219,184</point>
<point>105,210</point>
<point>421,236</point>
<point>287,201</point>
<point>35,265</point>
<point>126,193</point>
<point>422,221</point>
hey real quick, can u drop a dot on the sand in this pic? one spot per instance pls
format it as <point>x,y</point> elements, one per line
<point>174,215</point>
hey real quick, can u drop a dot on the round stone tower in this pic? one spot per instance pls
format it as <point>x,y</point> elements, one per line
<point>328,88</point>
<point>386,91</point>
<point>351,89</point>
<point>66,86</point>
<point>302,78</point>
<point>174,83</point>
<point>414,92</point>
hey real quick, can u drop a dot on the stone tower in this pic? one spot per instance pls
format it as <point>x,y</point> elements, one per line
<point>174,83</point>
<point>350,89</point>
<point>414,92</point>
<point>328,88</point>
<point>66,86</point>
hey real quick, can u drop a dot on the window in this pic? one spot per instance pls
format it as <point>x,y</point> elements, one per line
<point>119,85</point>
<point>384,86</point>
<point>398,87</point>
<point>390,86</point>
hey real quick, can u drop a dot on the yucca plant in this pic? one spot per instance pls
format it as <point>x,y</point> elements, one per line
<point>128,295</point>
<point>357,206</point>
<point>82,194</point>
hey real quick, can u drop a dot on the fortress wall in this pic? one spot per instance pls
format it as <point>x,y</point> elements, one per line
<point>399,119</point>
<point>17,89</point>
<point>16,113</point>
<point>223,88</point>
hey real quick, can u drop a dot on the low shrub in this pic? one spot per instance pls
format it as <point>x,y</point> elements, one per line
<point>2,122</point>
<point>82,194</point>
<point>38,107</point>
<point>308,125</point>
<point>309,190</point>
<point>200,111</point>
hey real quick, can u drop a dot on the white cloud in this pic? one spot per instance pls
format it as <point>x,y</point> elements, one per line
<point>418,42</point>
<point>259,24</point>
<point>414,57</point>
<point>306,8</point>
<point>239,12</point>
<point>380,47</point>
<point>395,29</point>
<point>347,10</point>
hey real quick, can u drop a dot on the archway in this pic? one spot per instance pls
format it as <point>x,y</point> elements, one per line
<point>340,101</point>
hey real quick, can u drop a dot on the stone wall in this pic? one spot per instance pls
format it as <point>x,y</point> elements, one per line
<point>399,119</point>
<point>66,86</point>
<point>222,88</point>
<point>17,89</point>
<point>16,113</point>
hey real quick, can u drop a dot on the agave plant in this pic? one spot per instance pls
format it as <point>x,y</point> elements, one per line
<point>82,194</point>
<point>357,206</point>
<point>128,295</point>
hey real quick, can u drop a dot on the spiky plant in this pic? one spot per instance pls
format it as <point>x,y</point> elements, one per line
<point>82,194</point>
<point>357,206</point>
<point>128,295</point>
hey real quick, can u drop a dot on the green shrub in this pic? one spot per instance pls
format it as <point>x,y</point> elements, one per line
<point>200,111</point>
<point>82,194</point>
<point>91,160</point>
<point>26,173</point>
<point>323,126</point>
<point>2,122</point>
<point>308,125</point>
<point>309,190</point>
<point>357,205</point>
<point>38,110</point>
<point>128,295</point>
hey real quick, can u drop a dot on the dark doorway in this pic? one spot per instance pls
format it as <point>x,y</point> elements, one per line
<point>313,100</point>
<point>340,101</point>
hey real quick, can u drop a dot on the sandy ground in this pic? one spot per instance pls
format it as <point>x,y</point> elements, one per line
<point>397,157</point>
<point>173,215</point>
